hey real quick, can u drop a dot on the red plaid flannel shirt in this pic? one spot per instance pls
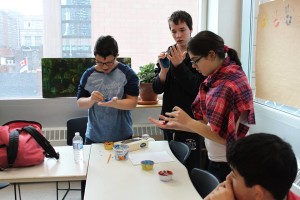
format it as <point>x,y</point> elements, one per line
<point>222,98</point>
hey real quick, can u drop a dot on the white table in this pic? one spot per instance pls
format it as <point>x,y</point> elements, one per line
<point>51,170</point>
<point>122,180</point>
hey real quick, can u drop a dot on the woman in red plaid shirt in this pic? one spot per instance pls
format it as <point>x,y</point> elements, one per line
<point>224,104</point>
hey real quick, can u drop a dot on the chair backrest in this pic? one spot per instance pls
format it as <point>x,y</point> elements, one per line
<point>74,125</point>
<point>203,181</point>
<point>3,185</point>
<point>180,150</point>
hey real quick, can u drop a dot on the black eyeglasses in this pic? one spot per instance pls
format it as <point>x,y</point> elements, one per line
<point>109,64</point>
<point>194,62</point>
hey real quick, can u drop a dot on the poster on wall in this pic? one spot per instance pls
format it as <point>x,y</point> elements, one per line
<point>277,60</point>
<point>61,76</point>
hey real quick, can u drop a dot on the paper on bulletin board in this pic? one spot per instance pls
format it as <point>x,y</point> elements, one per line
<point>277,66</point>
<point>156,157</point>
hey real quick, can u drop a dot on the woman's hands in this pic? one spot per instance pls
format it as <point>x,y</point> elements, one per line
<point>180,120</point>
<point>176,120</point>
<point>178,116</point>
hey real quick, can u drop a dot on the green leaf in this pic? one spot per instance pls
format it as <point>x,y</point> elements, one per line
<point>147,73</point>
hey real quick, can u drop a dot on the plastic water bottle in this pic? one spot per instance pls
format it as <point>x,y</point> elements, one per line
<point>78,147</point>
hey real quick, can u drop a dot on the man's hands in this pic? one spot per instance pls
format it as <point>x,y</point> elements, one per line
<point>175,55</point>
<point>97,96</point>
<point>108,102</point>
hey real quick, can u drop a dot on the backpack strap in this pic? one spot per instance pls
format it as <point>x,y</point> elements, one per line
<point>42,141</point>
<point>12,149</point>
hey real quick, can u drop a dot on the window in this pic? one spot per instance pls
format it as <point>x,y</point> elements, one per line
<point>254,5</point>
<point>69,29</point>
<point>38,41</point>
<point>27,41</point>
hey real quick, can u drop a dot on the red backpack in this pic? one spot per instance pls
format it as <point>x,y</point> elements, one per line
<point>22,144</point>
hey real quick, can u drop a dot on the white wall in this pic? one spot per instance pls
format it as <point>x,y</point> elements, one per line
<point>55,112</point>
<point>285,125</point>
<point>224,19</point>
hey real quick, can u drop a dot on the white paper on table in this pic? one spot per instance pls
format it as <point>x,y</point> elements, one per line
<point>156,157</point>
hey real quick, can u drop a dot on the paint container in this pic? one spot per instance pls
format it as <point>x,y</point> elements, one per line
<point>165,175</point>
<point>121,151</point>
<point>108,145</point>
<point>147,165</point>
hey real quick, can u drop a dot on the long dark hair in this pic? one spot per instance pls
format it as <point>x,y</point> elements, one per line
<point>206,41</point>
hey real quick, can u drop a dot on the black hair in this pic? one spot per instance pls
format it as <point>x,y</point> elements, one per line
<point>206,41</point>
<point>105,46</point>
<point>179,17</point>
<point>266,160</point>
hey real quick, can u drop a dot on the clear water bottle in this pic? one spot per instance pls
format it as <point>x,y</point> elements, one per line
<point>78,147</point>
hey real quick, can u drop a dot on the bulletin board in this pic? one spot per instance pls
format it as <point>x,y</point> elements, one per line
<point>277,60</point>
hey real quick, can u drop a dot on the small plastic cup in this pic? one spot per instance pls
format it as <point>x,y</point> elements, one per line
<point>147,165</point>
<point>145,136</point>
<point>165,175</point>
<point>121,151</point>
<point>108,145</point>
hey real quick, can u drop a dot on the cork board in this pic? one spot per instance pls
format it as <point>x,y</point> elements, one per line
<point>277,63</point>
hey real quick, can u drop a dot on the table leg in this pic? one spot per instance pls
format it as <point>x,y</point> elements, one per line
<point>82,189</point>
<point>19,191</point>
<point>15,191</point>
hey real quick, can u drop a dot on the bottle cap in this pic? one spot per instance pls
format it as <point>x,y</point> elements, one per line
<point>77,133</point>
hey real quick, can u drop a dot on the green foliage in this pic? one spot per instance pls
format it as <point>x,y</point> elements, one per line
<point>147,73</point>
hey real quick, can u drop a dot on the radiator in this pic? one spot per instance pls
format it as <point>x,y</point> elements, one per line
<point>150,129</point>
<point>58,135</point>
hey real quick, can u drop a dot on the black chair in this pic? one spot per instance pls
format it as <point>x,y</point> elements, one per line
<point>203,181</point>
<point>180,150</point>
<point>74,125</point>
<point>3,185</point>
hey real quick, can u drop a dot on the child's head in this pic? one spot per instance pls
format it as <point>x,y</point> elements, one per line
<point>105,46</point>
<point>206,41</point>
<point>261,162</point>
<point>180,17</point>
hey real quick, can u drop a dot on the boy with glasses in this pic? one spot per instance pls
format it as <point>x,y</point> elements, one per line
<point>109,90</point>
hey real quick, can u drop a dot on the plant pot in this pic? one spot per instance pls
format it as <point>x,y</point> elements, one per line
<point>147,95</point>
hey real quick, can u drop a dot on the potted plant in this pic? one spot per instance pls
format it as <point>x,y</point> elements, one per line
<point>146,76</point>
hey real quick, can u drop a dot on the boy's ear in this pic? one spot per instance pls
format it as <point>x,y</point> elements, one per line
<point>261,192</point>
